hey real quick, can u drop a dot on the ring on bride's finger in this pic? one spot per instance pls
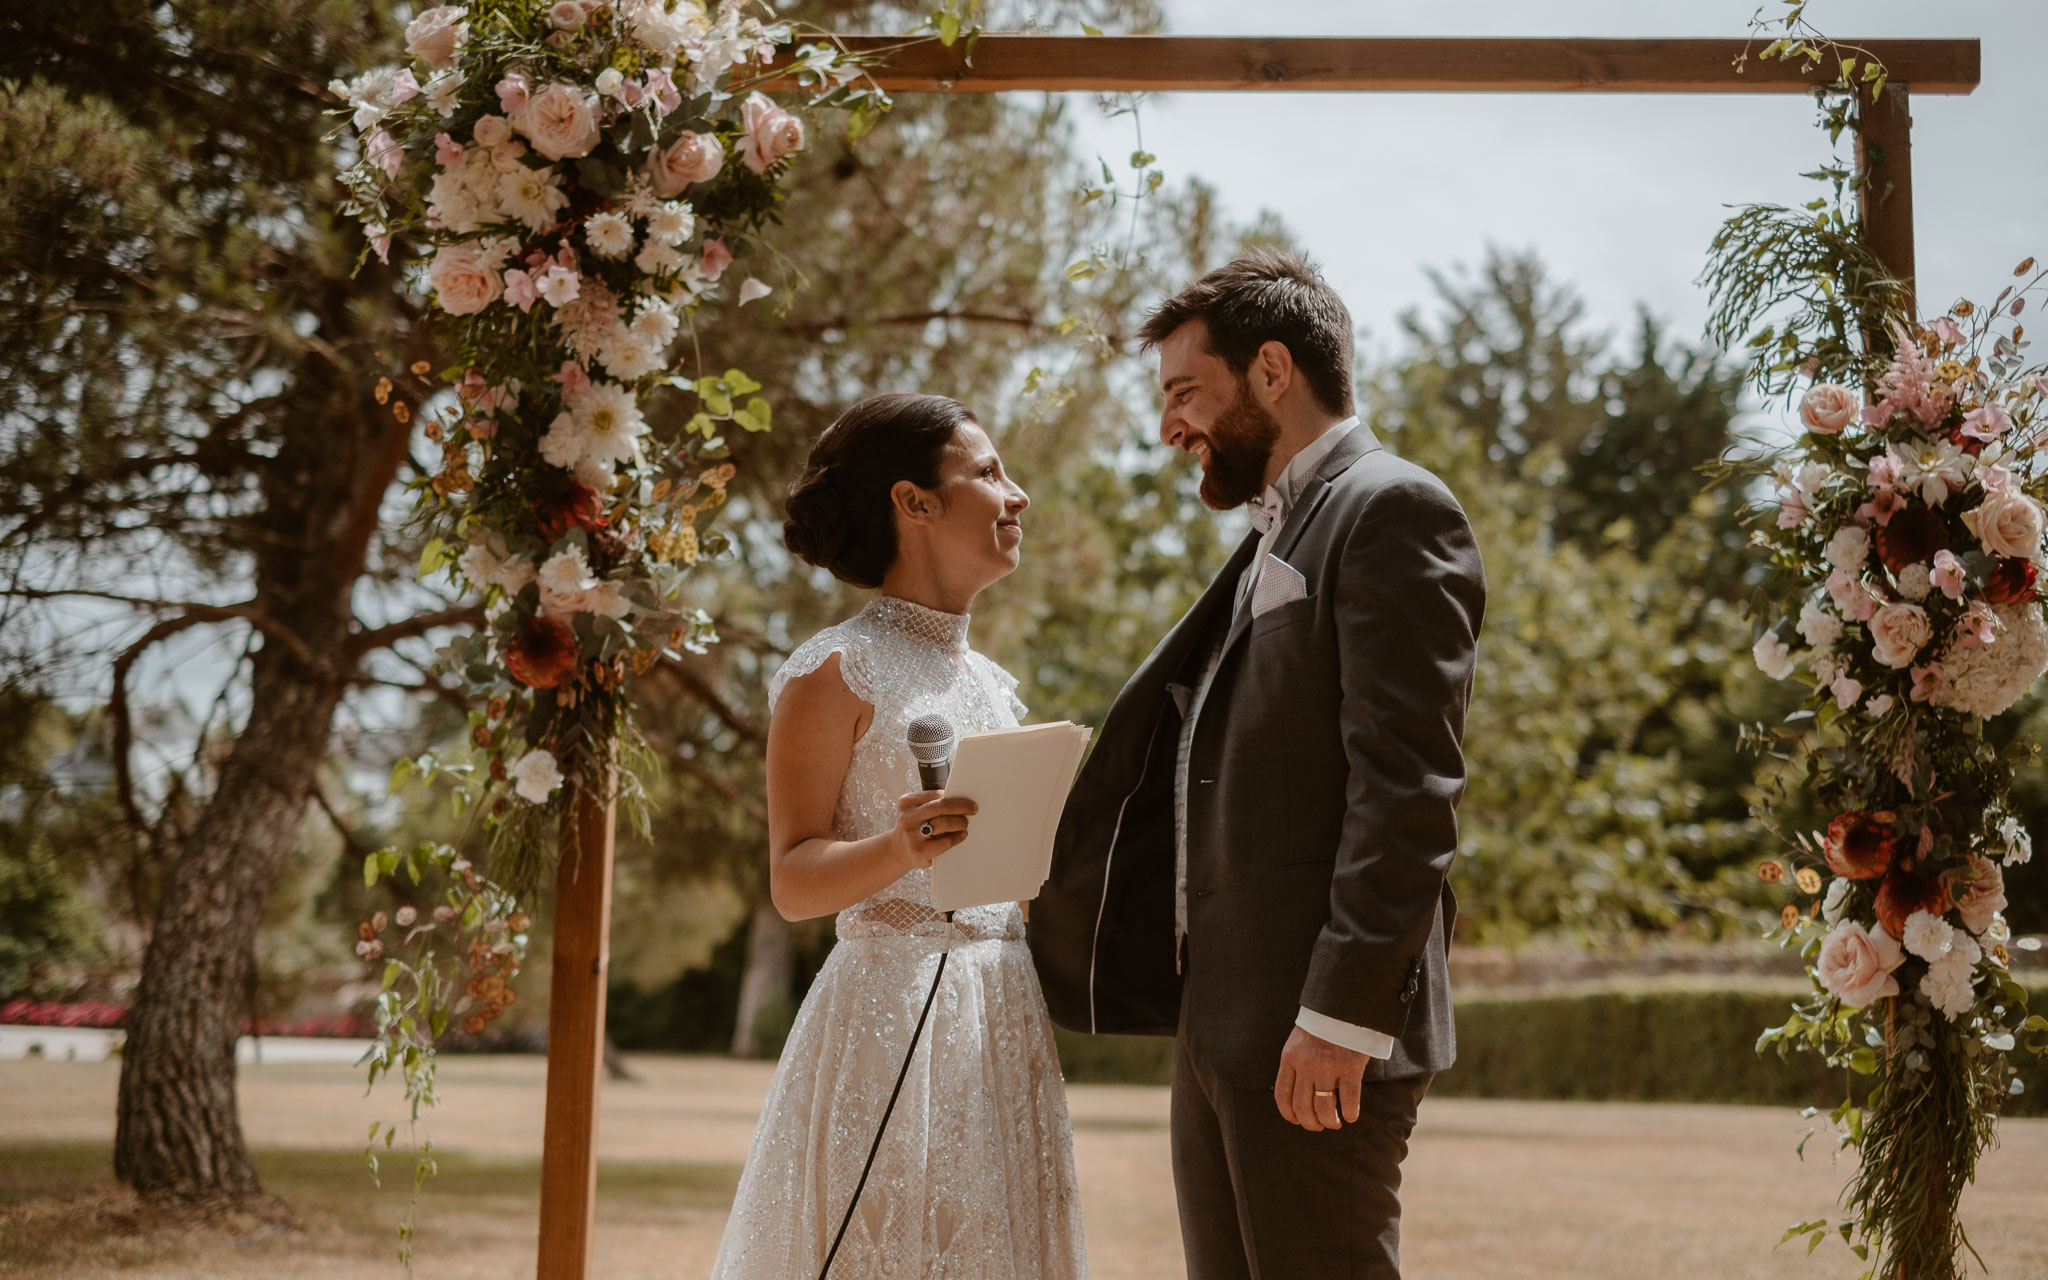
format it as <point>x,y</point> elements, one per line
<point>925,830</point>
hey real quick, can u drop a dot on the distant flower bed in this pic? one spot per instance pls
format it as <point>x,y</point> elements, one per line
<point>107,1015</point>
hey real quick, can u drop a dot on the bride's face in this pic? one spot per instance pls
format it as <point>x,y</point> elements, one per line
<point>974,528</point>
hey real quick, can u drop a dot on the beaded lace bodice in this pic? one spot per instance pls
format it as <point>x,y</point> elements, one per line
<point>905,661</point>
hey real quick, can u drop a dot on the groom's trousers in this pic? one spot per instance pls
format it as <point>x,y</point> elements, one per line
<point>1261,1199</point>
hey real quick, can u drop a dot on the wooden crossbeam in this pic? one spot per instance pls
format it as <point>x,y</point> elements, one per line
<point>1196,64</point>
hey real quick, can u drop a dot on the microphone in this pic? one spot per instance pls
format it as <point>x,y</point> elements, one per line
<point>932,740</point>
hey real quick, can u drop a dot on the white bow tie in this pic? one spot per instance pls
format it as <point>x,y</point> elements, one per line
<point>1269,511</point>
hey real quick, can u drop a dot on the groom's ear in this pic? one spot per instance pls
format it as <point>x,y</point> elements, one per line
<point>1272,373</point>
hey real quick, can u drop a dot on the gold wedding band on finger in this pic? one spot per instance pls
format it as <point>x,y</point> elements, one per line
<point>1325,1093</point>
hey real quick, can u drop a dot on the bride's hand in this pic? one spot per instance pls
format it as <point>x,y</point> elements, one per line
<point>946,819</point>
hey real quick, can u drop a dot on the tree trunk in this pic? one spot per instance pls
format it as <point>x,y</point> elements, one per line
<point>179,1132</point>
<point>771,967</point>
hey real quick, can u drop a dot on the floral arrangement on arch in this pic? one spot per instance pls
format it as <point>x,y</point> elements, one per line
<point>1909,519</point>
<point>578,185</point>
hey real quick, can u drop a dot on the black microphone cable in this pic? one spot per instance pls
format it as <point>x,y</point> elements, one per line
<point>930,998</point>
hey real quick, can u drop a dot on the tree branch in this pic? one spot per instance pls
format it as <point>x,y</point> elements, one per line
<point>190,613</point>
<point>123,727</point>
<point>419,624</point>
<point>1013,319</point>
<point>697,687</point>
<point>695,768</point>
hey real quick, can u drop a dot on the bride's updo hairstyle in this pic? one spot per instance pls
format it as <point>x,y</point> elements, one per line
<point>840,514</point>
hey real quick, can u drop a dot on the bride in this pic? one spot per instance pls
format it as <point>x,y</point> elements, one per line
<point>975,1176</point>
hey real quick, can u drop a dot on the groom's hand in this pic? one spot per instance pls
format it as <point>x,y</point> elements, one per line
<point>1316,1080</point>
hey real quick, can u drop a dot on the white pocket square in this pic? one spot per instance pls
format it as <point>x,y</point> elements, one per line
<point>1278,583</point>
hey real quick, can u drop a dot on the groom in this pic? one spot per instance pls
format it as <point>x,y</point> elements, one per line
<point>1253,858</point>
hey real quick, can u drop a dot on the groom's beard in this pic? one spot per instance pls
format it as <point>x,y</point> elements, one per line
<point>1240,445</point>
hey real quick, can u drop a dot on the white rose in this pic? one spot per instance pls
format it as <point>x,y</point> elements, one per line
<point>1849,549</point>
<point>694,157</point>
<point>536,776</point>
<point>1897,633</point>
<point>462,280</point>
<point>435,35</point>
<point>1915,581</point>
<point>1928,936</point>
<point>1837,898</point>
<point>2008,523</point>
<point>1856,964</point>
<point>561,122</point>
<point>1820,627</point>
<point>492,130</point>
<point>1773,656</point>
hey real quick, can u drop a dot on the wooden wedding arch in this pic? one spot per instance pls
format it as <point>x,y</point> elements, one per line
<point>1158,64</point>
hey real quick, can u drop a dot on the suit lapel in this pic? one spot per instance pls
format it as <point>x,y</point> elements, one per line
<point>1350,449</point>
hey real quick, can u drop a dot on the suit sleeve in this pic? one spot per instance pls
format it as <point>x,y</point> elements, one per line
<point>1409,596</point>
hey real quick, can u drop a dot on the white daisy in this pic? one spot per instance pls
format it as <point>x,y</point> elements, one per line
<point>629,359</point>
<point>658,258</point>
<point>611,421</point>
<point>672,223</point>
<point>533,196</point>
<point>655,324</point>
<point>609,234</point>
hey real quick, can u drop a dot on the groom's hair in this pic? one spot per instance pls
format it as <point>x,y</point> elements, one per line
<point>1268,295</point>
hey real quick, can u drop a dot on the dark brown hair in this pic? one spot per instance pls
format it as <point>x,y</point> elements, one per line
<point>840,515</point>
<point>1268,295</point>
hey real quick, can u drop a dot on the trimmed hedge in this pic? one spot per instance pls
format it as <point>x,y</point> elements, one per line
<point>1601,1046</point>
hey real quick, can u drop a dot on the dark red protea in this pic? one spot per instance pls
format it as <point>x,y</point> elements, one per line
<point>1901,895</point>
<point>1860,845</point>
<point>1913,536</point>
<point>2012,582</point>
<point>542,653</point>
<point>572,505</point>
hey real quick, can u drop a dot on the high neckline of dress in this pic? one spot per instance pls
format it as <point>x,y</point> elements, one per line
<point>943,630</point>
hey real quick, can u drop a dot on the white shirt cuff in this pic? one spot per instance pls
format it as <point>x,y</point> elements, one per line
<point>1374,1044</point>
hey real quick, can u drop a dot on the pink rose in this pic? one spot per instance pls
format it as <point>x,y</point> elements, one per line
<point>1856,964</point>
<point>463,281</point>
<point>560,121</point>
<point>514,92</point>
<point>1898,632</point>
<point>434,36</point>
<point>694,157</point>
<point>1982,897</point>
<point>1828,408</point>
<point>716,258</point>
<point>2008,523</point>
<point>771,133</point>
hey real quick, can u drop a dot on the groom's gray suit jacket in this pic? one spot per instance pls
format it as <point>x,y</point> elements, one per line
<point>1323,785</point>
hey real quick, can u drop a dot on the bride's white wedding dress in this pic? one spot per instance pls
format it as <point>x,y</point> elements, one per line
<point>975,1178</point>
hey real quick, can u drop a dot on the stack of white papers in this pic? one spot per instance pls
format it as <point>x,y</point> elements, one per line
<point>1019,778</point>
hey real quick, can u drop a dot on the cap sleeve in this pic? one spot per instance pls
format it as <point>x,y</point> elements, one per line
<point>814,653</point>
<point>1005,687</point>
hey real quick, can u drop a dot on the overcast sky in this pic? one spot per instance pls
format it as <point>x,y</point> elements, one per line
<point>1619,194</point>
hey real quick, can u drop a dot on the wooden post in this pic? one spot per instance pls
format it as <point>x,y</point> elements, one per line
<point>576,1000</point>
<point>1884,152</point>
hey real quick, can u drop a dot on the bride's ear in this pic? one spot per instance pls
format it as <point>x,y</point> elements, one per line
<point>919,506</point>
